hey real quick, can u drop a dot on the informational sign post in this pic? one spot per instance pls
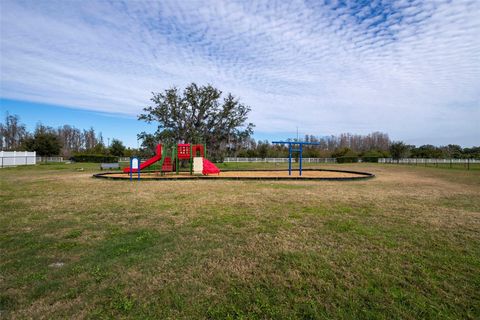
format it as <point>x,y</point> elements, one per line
<point>134,165</point>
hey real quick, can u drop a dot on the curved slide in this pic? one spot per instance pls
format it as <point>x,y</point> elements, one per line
<point>149,162</point>
<point>209,167</point>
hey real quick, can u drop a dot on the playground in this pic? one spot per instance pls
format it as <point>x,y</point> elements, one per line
<point>199,167</point>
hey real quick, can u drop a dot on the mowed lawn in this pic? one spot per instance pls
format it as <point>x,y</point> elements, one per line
<point>404,245</point>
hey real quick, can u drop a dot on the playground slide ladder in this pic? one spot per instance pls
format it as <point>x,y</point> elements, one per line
<point>167,165</point>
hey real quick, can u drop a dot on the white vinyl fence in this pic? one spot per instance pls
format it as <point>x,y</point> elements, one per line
<point>428,161</point>
<point>49,159</point>
<point>17,158</point>
<point>280,160</point>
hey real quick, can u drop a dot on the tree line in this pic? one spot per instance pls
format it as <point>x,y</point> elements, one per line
<point>67,141</point>
<point>338,147</point>
<point>63,141</point>
<point>400,150</point>
<point>345,144</point>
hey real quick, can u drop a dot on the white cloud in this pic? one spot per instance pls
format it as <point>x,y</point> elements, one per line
<point>410,68</point>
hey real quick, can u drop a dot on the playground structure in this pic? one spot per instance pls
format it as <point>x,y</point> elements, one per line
<point>195,154</point>
<point>299,150</point>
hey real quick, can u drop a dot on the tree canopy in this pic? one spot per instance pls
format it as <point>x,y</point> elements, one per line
<point>117,148</point>
<point>199,114</point>
<point>12,132</point>
<point>44,141</point>
<point>398,150</point>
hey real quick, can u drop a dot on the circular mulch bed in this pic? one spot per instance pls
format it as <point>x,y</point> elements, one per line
<point>307,174</point>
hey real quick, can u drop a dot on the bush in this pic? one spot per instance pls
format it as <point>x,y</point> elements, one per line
<point>347,159</point>
<point>374,155</point>
<point>344,152</point>
<point>370,159</point>
<point>97,158</point>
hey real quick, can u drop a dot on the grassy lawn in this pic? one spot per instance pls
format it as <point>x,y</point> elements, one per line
<point>404,245</point>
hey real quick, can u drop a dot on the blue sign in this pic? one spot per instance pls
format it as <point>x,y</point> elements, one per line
<point>134,165</point>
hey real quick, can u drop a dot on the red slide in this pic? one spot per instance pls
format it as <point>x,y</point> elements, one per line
<point>209,167</point>
<point>149,162</point>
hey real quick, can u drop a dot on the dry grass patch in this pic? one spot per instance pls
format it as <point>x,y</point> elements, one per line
<point>402,245</point>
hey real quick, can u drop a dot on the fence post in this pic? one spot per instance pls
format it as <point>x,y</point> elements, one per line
<point>468,164</point>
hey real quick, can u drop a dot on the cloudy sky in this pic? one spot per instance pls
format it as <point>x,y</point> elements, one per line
<point>408,68</point>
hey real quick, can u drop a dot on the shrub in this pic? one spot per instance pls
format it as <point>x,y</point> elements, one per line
<point>374,155</point>
<point>344,152</point>
<point>345,155</point>
<point>370,159</point>
<point>97,158</point>
<point>347,159</point>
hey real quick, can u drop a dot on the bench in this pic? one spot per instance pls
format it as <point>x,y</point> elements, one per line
<point>109,166</point>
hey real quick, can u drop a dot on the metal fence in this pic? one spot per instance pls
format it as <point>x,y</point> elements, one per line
<point>280,160</point>
<point>17,158</point>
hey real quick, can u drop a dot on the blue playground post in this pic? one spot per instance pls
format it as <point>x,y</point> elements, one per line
<point>301,158</point>
<point>289,159</point>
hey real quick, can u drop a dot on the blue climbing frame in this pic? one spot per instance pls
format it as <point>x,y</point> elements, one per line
<point>299,150</point>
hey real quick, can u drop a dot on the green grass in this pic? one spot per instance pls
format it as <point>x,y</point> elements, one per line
<point>404,245</point>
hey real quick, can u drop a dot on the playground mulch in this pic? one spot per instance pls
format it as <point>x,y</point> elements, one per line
<point>307,174</point>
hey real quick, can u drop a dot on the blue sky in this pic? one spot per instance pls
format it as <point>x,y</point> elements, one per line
<point>408,68</point>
